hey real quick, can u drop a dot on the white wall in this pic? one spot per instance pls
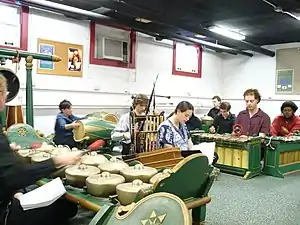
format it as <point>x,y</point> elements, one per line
<point>241,73</point>
<point>112,82</point>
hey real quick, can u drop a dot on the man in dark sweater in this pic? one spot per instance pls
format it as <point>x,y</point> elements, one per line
<point>224,122</point>
<point>213,112</point>
<point>194,123</point>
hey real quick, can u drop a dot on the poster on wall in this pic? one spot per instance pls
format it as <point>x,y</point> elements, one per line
<point>71,55</point>
<point>48,50</point>
<point>75,59</point>
<point>284,81</point>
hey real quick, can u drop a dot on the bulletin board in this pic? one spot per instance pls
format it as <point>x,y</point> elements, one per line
<point>284,81</point>
<point>71,54</point>
<point>288,71</point>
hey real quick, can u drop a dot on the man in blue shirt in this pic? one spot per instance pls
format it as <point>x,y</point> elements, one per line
<point>64,124</point>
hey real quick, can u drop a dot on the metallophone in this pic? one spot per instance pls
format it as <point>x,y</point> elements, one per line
<point>282,155</point>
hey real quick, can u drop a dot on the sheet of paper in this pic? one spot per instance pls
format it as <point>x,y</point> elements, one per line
<point>207,149</point>
<point>43,196</point>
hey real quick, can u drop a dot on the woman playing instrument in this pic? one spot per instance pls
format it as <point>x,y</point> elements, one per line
<point>64,124</point>
<point>16,175</point>
<point>173,132</point>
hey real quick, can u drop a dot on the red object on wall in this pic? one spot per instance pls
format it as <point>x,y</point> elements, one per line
<point>110,62</point>
<point>198,74</point>
<point>23,28</point>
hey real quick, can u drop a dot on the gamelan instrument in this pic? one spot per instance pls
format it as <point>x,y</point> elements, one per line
<point>12,114</point>
<point>113,185</point>
<point>26,136</point>
<point>144,143</point>
<point>92,129</point>
<point>207,122</point>
<point>281,156</point>
<point>144,140</point>
<point>237,154</point>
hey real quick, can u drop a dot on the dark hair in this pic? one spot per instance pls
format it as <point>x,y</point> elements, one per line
<point>217,97</point>
<point>171,114</point>
<point>225,106</point>
<point>253,92</point>
<point>64,104</point>
<point>184,106</point>
<point>290,104</point>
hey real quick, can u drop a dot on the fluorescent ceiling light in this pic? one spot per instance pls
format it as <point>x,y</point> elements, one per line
<point>142,20</point>
<point>227,33</point>
<point>101,10</point>
<point>199,36</point>
<point>209,44</point>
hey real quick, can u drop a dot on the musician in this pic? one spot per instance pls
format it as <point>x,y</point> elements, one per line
<point>64,124</point>
<point>173,132</point>
<point>122,131</point>
<point>213,112</point>
<point>194,123</point>
<point>224,122</point>
<point>15,175</point>
<point>287,123</point>
<point>253,120</point>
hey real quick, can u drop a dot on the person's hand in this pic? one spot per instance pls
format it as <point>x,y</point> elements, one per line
<point>70,158</point>
<point>243,136</point>
<point>127,136</point>
<point>75,124</point>
<point>14,147</point>
<point>284,131</point>
<point>212,129</point>
<point>18,195</point>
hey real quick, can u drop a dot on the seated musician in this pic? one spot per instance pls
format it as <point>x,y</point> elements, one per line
<point>173,132</point>
<point>16,175</point>
<point>287,123</point>
<point>194,123</point>
<point>253,120</point>
<point>64,124</point>
<point>122,131</point>
<point>224,122</point>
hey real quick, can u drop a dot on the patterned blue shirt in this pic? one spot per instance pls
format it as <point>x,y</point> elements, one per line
<point>168,134</point>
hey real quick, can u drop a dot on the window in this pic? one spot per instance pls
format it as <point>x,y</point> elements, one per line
<point>112,46</point>
<point>14,21</point>
<point>187,60</point>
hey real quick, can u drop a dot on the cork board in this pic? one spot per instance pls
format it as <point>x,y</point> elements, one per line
<point>71,54</point>
<point>288,71</point>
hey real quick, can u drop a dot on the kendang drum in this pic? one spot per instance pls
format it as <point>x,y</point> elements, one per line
<point>93,129</point>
